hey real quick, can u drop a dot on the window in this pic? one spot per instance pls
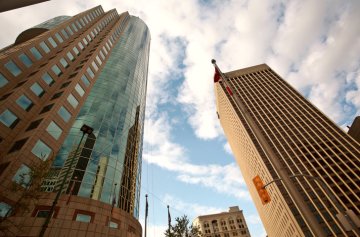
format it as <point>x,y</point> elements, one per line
<point>89,38</point>
<point>56,70</point>
<point>23,176</point>
<point>47,79</point>
<point>79,90</point>
<point>34,124</point>
<point>9,119</point>
<point>64,34</point>
<point>25,60</point>
<point>98,60</point>
<point>76,51</point>
<point>46,108</point>
<point>83,218</point>
<point>95,66</point>
<point>37,55</point>
<point>70,56</point>
<point>52,42</point>
<point>90,72</point>
<point>74,27</point>
<point>58,37</point>
<point>107,46</point>
<point>78,24</point>
<point>81,46</point>
<point>5,209</point>
<point>69,30</point>
<point>54,130</point>
<point>41,150</point>
<point>18,145</point>
<point>85,42</point>
<point>113,225</point>
<point>73,101</point>
<point>24,102</point>
<point>44,47</point>
<point>57,95</point>
<point>42,213</point>
<point>85,80</point>
<point>37,89</point>
<point>102,55</point>
<point>13,68</point>
<point>3,80</point>
<point>92,34</point>
<point>64,114</point>
<point>82,22</point>
<point>64,63</point>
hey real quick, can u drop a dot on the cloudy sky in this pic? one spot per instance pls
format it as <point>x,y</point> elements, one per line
<point>314,45</point>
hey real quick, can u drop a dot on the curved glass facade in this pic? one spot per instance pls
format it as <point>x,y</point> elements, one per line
<point>108,164</point>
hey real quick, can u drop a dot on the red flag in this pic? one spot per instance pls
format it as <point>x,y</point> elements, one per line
<point>229,90</point>
<point>217,75</point>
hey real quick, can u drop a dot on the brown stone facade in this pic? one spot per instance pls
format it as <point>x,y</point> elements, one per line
<point>64,223</point>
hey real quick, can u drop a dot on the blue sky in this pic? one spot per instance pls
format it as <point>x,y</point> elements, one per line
<point>314,45</point>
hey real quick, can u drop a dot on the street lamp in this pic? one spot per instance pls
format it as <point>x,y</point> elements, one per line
<point>85,129</point>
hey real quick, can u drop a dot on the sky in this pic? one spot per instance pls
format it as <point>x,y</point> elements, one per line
<point>187,162</point>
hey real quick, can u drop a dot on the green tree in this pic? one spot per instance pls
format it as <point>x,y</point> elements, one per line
<point>183,228</point>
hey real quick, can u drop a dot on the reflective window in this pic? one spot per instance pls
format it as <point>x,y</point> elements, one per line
<point>25,60</point>
<point>23,176</point>
<point>13,68</point>
<point>54,130</point>
<point>64,34</point>
<point>85,20</point>
<point>90,72</point>
<point>78,24</point>
<point>79,90</point>
<point>106,52</point>
<point>56,70</point>
<point>37,89</point>
<point>102,55</point>
<point>113,225</point>
<point>95,66</point>
<point>5,209</point>
<point>85,80</point>
<point>44,47</point>
<point>36,53</point>
<point>85,41</point>
<point>47,79</point>
<point>64,63</point>
<point>73,101</point>
<point>3,80</point>
<point>98,60</point>
<point>74,27</point>
<point>8,118</point>
<point>41,150</point>
<point>24,102</point>
<point>107,46</point>
<point>64,114</point>
<point>82,22</point>
<point>81,46</point>
<point>83,218</point>
<point>70,56</point>
<point>92,34</point>
<point>69,30</point>
<point>89,38</point>
<point>96,32</point>
<point>76,51</point>
<point>52,42</point>
<point>58,37</point>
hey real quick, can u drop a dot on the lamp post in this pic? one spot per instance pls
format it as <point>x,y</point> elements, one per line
<point>85,129</point>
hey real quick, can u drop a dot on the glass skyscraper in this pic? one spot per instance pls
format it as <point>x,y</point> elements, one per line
<point>66,72</point>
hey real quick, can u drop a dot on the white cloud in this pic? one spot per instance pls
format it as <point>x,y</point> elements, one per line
<point>227,148</point>
<point>178,206</point>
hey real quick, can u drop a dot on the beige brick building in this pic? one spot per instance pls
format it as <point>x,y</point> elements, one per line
<point>224,224</point>
<point>274,132</point>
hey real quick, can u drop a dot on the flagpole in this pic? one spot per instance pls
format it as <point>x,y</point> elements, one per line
<point>146,212</point>
<point>169,219</point>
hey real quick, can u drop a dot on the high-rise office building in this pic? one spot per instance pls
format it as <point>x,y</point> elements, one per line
<point>89,69</point>
<point>278,135</point>
<point>224,224</point>
<point>354,129</point>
